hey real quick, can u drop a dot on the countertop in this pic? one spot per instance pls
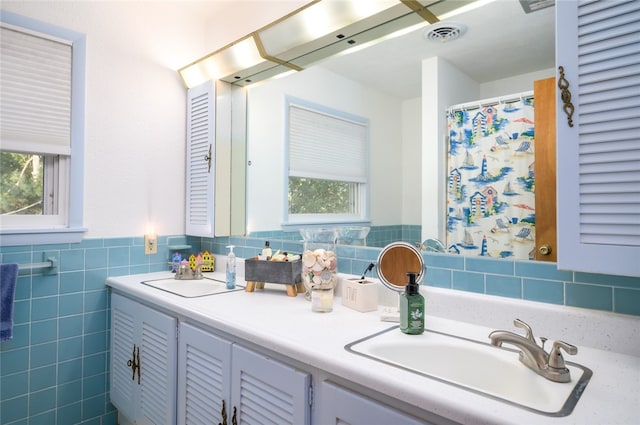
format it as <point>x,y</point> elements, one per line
<point>608,344</point>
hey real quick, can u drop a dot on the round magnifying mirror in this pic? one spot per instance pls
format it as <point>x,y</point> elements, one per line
<point>395,261</point>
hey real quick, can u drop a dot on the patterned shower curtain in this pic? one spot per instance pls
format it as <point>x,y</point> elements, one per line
<point>490,193</point>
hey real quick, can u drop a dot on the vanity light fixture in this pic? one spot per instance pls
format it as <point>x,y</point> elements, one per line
<point>318,30</point>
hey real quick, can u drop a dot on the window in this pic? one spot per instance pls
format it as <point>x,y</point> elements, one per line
<point>41,132</point>
<point>328,170</point>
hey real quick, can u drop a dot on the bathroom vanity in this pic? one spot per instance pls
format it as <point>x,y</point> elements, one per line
<point>269,357</point>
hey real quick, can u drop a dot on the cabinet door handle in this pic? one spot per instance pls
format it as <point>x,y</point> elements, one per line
<point>208,158</point>
<point>134,363</point>
<point>565,95</point>
<point>223,413</point>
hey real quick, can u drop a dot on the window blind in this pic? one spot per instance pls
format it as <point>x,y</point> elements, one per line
<point>35,93</point>
<point>324,146</point>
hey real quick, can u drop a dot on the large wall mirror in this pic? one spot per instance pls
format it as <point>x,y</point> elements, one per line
<point>403,87</point>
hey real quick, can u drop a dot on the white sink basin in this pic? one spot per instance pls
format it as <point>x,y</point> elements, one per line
<point>475,366</point>
<point>191,288</point>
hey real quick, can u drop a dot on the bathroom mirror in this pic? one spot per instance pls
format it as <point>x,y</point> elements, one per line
<point>395,261</point>
<point>501,41</point>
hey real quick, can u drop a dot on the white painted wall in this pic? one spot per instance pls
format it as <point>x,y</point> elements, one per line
<point>135,106</point>
<point>266,177</point>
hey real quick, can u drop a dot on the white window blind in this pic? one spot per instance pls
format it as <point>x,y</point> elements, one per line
<point>324,146</point>
<point>35,93</point>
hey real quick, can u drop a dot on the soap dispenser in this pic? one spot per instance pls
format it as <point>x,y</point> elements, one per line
<point>266,251</point>
<point>412,307</point>
<point>231,268</point>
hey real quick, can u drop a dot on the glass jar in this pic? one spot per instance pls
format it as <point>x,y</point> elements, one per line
<point>319,267</point>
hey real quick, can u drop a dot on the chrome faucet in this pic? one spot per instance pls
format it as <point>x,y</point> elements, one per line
<point>184,272</point>
<point>549,365</point>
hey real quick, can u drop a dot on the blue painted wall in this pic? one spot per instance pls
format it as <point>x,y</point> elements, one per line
<point>55,370</point>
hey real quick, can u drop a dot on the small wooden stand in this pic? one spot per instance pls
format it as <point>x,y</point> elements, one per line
<point>288,273</point>
<point>292,289</point>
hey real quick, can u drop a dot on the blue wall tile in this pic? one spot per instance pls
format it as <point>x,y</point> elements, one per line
<point>504,286</point>
<point>626,301</point>
<point>589,296</point>
<point>547,291</point>
<point>41,401</point>
<point>43,377</point>
<point>467,281</point>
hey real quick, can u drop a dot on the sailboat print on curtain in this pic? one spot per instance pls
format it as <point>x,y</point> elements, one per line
<point>491,190</point>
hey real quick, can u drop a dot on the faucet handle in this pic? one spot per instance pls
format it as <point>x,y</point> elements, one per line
<point>520,324</point>
<point>556,360</point>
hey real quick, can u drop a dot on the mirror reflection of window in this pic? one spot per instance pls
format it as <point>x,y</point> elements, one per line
<point>327,168</point>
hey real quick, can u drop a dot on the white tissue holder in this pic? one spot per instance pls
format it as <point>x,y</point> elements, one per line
<point>360,294</point>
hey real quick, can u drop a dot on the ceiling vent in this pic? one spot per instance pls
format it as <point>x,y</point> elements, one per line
<point>444,31</point>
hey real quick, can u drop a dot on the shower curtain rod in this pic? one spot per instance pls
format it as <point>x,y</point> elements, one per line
<point>469,106</point>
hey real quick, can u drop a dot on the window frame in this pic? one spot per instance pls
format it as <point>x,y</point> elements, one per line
<point>292,222</point>
<point>72,193</point>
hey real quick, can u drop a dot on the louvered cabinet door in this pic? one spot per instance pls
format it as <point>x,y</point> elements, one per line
<point>598,123</point>
<point>204,377</point>
<point>267,392</point>
<point>158,362</point>
<point>147,397</point>
<point>342,406</point>
<point>124,391</point>
<point>201,154</point>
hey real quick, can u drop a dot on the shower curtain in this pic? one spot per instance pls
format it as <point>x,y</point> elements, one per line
<point>490,191</point>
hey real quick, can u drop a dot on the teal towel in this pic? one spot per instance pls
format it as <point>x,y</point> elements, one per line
<point>8,278</point>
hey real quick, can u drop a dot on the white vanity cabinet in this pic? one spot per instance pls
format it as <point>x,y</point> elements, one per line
<point>143,363</point>
<point>342,406</point>
<point>254,388</point>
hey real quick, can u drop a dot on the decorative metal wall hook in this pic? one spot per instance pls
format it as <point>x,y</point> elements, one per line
<point>565,95</point>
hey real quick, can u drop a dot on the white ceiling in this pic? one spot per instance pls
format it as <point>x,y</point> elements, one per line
<point>501,41</point>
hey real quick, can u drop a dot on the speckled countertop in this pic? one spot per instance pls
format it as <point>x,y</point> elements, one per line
<point>608,344</point>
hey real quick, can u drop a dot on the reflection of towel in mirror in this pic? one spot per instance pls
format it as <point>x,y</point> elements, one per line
<point>8,278</point>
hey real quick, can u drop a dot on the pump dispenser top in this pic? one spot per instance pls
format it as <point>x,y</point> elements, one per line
<point>231,268</point>
<point>412,307</point>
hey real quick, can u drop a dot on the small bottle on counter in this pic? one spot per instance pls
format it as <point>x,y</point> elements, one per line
<point>231,268</point>
<point>267,253</point>
<point>412,307</point>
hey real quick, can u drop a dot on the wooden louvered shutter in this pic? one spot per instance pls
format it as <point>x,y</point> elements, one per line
<point>200,173</point>
<point>598,46</point>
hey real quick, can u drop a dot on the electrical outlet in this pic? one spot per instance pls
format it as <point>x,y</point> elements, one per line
<point>150,244</point>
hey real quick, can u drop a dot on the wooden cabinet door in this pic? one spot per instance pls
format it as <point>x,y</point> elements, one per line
<point>267,392</point>
<point>204,377</point>
<point>544,92</point>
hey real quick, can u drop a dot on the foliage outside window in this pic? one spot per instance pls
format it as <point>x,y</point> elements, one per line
<point>21,184</point>
<point>328,165</point>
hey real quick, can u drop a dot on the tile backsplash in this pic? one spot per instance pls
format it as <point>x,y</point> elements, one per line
<point>56,368</point>
<point>529,280</point>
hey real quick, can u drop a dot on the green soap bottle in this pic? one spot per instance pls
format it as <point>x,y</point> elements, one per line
<point>412,307</point>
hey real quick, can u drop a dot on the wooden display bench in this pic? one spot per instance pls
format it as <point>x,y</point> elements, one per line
<point>288,273</point>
